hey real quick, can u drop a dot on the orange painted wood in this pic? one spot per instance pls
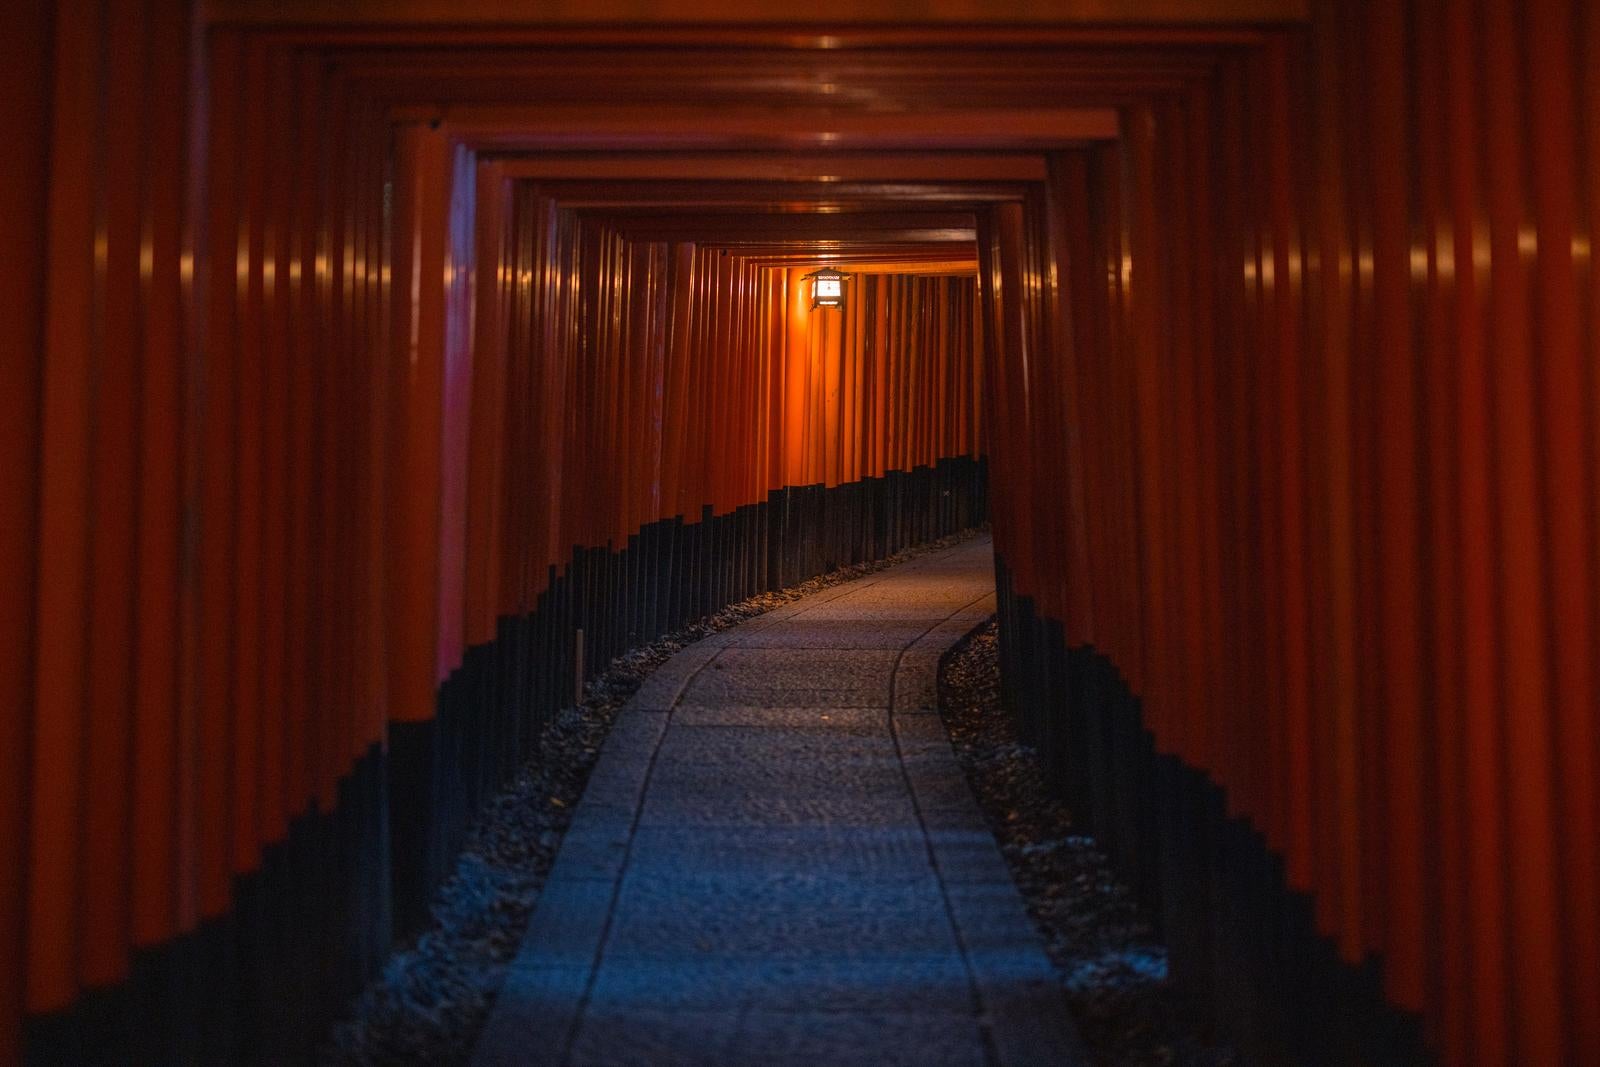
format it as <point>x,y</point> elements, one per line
<point>113,412</point>
<point>829,11</point>
<point>1564,397</point>
<point>65,440</point>
<point>25,57</point>
<point>360,649</point>
<point>270,800</point>
<point>214,628</point>
<point>422,191</point>
<point>482,558</point>
<point>1482,725</point>
<point>457,268</point>
<point>1290,399</point>
<point>1535,963</point>
<point>244,697</point>
<point>1448,834</point>
<point>1586,95</point>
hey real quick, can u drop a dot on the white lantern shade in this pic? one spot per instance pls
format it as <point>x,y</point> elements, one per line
<point>827,288</point>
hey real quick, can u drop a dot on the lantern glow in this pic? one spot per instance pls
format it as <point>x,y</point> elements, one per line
<point>827,288</point>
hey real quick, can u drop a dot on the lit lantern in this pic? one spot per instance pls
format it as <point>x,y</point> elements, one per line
<point>827,288</point>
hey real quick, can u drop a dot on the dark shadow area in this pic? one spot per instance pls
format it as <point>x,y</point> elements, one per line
<point>1101,939</point>
<point>1244,956</point>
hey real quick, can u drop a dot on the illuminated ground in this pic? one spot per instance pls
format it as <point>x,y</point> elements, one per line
<point>778,860</point>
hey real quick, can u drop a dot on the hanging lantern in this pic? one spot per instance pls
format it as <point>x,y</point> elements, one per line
<point>827,288</point>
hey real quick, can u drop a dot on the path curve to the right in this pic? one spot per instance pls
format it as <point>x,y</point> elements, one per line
<point>778,861</point>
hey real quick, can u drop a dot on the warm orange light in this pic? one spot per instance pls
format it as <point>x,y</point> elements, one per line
<point>827,288</point>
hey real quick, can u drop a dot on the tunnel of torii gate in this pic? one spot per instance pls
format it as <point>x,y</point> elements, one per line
<point>369,365</point>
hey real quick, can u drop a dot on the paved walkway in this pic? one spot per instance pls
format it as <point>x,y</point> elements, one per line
<point>778,861</point>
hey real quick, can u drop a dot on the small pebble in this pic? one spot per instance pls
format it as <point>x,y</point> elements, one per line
<point>1104,947</point>
<point>432,997</point>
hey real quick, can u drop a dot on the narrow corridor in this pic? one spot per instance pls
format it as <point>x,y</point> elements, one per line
<point>380,375</point>
<point>778,860</point>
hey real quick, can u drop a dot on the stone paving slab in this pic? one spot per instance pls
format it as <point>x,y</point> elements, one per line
<point>870,778</point>
<point>932,983</point>
<point>751,692</point>
<point>758,807</point>
<point>776,1039</point>
<point>802,667</point>
<point>839,634</point>
<point>865,722</point>
<point>778,749</point>
<point>674,917</point>
<point>778,861</point>
<point>862,854</point>
<point>807,1039</point>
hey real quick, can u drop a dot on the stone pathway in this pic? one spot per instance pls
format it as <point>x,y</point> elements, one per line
<point>778,861</point>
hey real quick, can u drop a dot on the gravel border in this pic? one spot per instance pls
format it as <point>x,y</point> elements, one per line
<point>1110,960</point>
<point>433,996</point>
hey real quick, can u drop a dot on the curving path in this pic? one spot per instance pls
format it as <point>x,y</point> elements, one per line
<point>777,861</point>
